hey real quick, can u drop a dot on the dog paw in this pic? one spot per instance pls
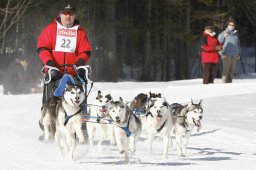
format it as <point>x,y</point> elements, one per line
<point>81,141</point>
<point>113,143</point>
<point>182,155</point>
<point>165,157</point>
<point>133,150</point>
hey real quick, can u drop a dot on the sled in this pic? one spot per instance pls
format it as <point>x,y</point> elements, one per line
<point>50,86</point>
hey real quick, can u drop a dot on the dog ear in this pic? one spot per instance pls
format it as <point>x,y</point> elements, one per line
<point>68,84</point>
<point>122,106</point>
<point>108,96</point>
<point>150,94</point>
<point>191,102</point>
<point>165,104</point>
<point>120,99</point>
<point>152,103</point>
<point>200,102</point>
<point>99,92</point>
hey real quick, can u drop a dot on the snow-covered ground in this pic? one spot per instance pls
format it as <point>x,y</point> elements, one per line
<point>226,141</point>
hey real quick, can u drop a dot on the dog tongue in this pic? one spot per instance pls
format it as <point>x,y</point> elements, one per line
<point>103,110</point>
<point>158,119</point>
<point>199,126</point>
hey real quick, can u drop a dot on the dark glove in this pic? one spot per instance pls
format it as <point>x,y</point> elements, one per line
<point>80,62</point>
<point>51,63</point>
<point>55,74</point>
<point>81,73</point>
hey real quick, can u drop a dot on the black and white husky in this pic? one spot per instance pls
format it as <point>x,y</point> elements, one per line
<point>185,118</point>
<point>159,121</point>
<point>62,118</point>
<point>127,127</point>
<point>99,120</point>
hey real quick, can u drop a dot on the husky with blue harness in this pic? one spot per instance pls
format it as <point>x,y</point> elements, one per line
<point>62,113</point>
<point>54,87</point>
<point>127,127</point>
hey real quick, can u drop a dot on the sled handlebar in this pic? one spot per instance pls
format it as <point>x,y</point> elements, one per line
<point>87,69</point>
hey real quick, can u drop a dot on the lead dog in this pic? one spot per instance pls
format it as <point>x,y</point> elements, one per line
<point>64,116</point>
<point>127,127</point>
<point>159,121</point>
<point>185,118</point>
<point>98,120</point>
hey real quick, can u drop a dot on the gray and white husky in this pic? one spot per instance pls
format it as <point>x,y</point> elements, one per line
<point>62,119</point>
<point>127,127</point>
<point>99,120</point>
<point>159,121</point>
<point>185,118</point>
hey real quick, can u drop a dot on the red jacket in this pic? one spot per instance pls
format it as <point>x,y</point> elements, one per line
<point>208,49</point>
<point>46,45</point>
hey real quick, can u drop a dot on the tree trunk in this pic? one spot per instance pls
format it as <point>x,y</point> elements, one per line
<point>146,70</point>
<point>111,67</point>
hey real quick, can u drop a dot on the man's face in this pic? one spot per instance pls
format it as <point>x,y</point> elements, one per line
<point>231,26</point>
<point>67,18</point>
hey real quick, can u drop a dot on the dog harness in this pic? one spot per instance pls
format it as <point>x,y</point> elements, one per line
<point>126,128</point>
<point>158,130</point>
<point>67,117</point>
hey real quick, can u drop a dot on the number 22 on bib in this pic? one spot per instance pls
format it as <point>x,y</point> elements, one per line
<point>66,38</point>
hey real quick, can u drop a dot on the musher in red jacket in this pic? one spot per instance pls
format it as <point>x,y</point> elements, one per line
<point>63,42</point>
<point>210,46</point>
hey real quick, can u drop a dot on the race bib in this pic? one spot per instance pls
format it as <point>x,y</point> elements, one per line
<point>66,38</point>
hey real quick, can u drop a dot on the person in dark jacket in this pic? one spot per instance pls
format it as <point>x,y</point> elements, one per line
<point>15,78</point>
<point>210,47</point>
<point>63,42</point>
<point>231,50</point>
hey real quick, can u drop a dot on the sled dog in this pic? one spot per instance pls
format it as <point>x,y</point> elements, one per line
<point>159,121</point>
<point>99,120</point>
<point>64,116</point>
<point>127,127</point>
<point>185,118</point>
<point>139,107</point>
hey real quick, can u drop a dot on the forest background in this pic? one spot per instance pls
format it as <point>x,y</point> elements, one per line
<point>135,40</point>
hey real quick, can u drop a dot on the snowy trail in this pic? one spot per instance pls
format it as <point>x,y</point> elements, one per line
<point>226,141</point>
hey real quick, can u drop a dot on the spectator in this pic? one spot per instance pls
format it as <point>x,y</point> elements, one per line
<point>231,51</point>
<point>15,79</point>
<point>209,52</point>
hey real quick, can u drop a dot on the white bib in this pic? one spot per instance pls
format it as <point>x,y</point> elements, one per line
<point>66,38</point>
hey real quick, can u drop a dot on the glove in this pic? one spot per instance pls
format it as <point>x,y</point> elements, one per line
<point>80,62</point>
<point>218,48</point>
<point>51,63</point>
<point>55,74</point>
<point>81,73</point>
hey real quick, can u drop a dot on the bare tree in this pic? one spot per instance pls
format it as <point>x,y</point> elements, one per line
<point>12,13</point>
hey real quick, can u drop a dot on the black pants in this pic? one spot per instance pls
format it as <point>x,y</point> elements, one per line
<point>209,72</point>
